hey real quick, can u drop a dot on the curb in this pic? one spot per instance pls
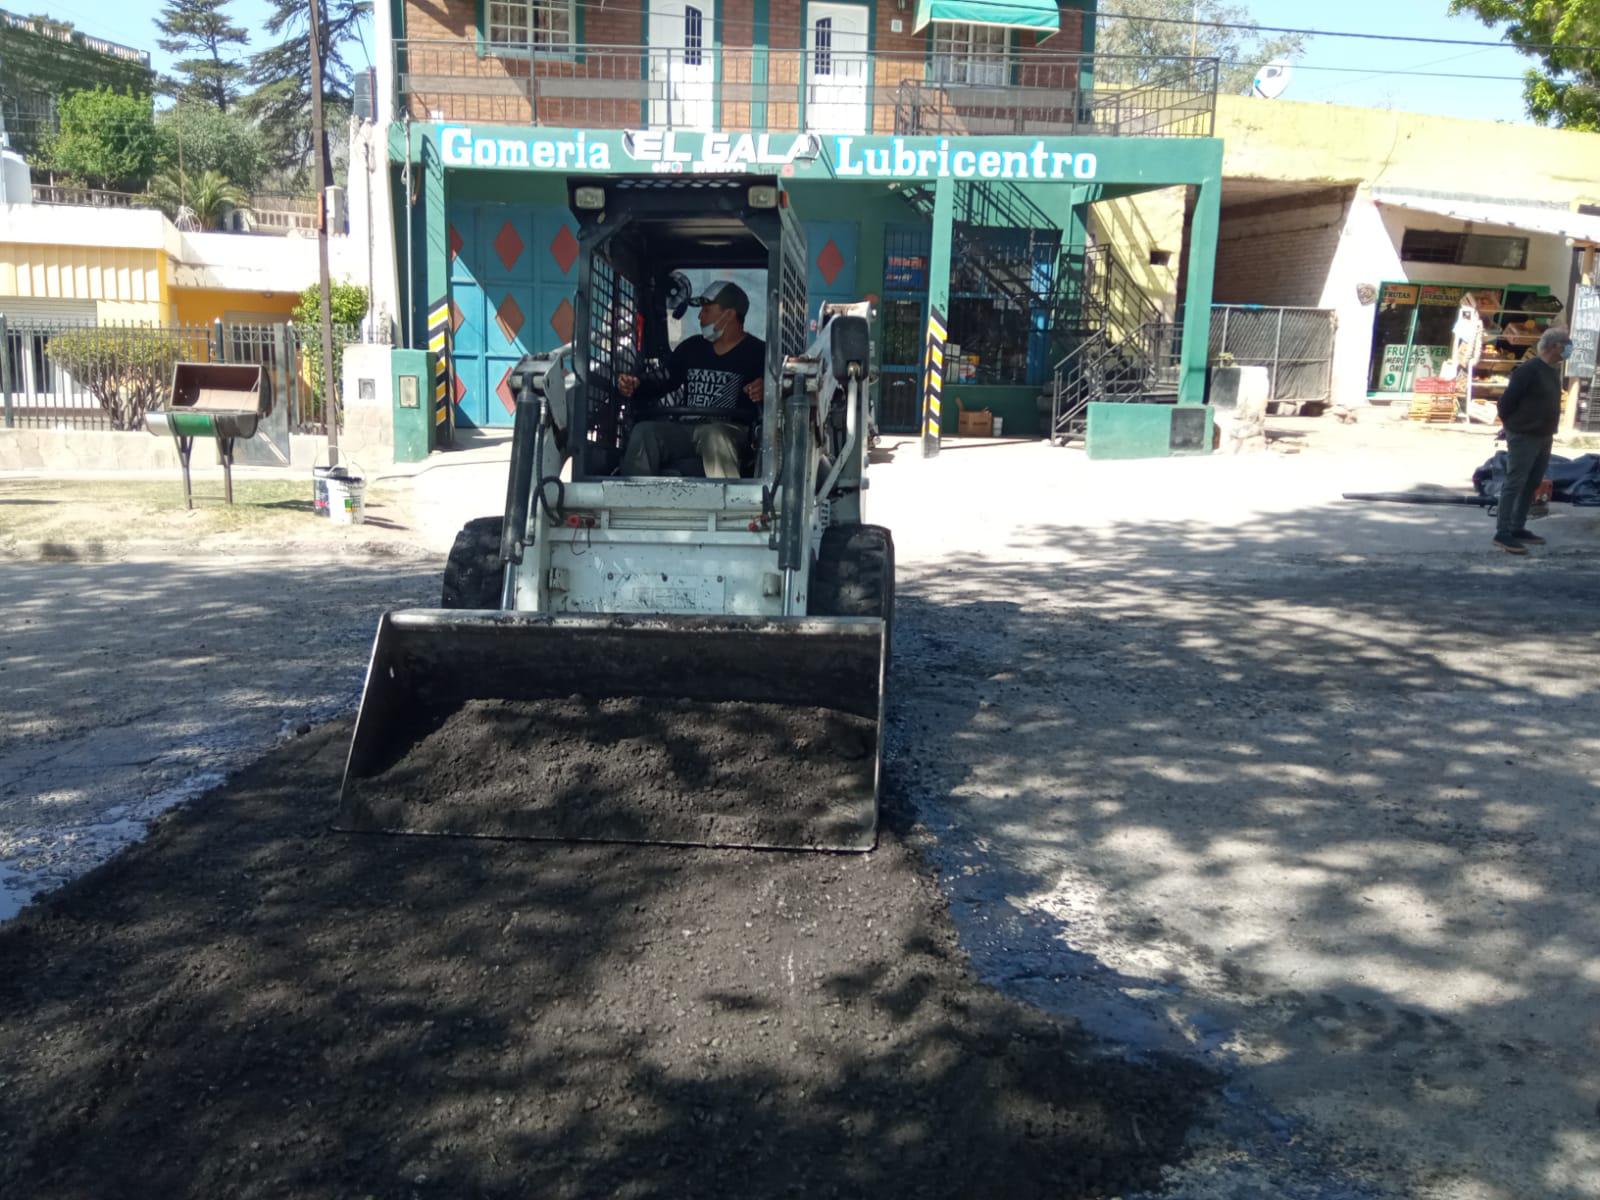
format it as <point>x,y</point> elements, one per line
<point>105,552</point>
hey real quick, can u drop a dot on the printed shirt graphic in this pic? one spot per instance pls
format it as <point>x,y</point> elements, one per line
<point>704,381</point>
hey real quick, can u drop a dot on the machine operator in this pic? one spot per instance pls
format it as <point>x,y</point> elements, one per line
<point>719,372</point>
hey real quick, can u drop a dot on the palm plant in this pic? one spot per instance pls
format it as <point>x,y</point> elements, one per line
<point>205,198</point>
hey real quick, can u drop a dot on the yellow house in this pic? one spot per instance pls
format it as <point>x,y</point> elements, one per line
<point>104,265</point>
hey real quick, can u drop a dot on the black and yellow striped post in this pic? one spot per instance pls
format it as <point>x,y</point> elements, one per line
<point>933,372</point>
<point>444,426</point>
<point>933,384</point>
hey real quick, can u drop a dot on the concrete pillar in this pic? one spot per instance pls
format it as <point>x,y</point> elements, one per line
<point>1197,292</point>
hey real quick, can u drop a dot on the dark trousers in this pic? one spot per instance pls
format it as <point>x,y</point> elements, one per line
<point>1527,457</point>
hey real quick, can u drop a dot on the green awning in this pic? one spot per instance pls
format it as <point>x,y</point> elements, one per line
<point>1015,14</point>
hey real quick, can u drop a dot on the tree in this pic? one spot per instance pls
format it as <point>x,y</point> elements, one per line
<point>1144,37</point>
<point>281,102</point>
<point>347,302</point>
<point>197,137</point>
<point>125,368</point>
<point>203,29</point>
<point>208,195</point>
<point>106,139</point>
<point>1566,91</point>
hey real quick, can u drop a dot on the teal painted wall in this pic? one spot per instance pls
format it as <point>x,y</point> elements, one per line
<point>1017,407</point>
<point>1121,431</point>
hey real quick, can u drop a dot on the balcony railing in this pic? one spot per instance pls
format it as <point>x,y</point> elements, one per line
<point>790,91</point>
<point>83,197</point>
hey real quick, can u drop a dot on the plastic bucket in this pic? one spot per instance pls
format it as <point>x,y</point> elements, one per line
<point>347,497</point>
<point>998,425</point>
<point>319,488</point>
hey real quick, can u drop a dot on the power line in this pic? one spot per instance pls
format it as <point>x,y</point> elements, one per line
<point>602,6</point>
<point>1386,73</point>
<point>1331,33</point>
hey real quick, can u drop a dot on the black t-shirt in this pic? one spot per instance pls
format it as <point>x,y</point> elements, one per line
<point>704,381</point>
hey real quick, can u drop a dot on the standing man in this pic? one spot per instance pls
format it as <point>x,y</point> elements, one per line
<point>1530,410</point>
<point>720,374</point>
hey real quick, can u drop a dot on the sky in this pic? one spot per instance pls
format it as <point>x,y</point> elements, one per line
<point>1494,91</point>
<point>1369,80</point>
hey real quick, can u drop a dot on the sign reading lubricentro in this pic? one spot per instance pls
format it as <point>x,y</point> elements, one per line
<point>671,151</point>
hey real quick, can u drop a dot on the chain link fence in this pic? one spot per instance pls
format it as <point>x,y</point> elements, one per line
<point>1294,344</point>
<point>83,375</point>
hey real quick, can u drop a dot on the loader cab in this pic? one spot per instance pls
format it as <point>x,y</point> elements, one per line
<point>639,238</point>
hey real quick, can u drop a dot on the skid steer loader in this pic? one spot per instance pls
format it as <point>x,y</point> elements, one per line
<point>667,659</point>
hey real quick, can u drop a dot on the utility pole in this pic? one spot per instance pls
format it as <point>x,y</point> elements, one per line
<point>330,397</point>
<point>1194,29</point>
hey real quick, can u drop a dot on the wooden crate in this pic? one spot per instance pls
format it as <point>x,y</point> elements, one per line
<point>1434,400</point>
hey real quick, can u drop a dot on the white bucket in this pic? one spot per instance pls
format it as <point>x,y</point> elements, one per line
<point>998,425</point>
<point>347,499</point>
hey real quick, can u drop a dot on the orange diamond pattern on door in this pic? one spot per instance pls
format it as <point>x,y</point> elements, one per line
<point>511,286</point>
<point>832,248</point>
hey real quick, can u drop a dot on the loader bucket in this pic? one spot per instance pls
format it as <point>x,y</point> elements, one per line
<point>722,731</point>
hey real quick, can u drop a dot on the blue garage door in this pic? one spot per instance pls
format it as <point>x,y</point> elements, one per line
<point>833,248</point>
<point>513,274</point>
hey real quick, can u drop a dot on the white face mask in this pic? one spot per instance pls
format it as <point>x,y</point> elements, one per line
<point>713,333</point>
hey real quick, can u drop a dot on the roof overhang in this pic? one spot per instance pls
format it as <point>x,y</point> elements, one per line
<point>1528,218</point>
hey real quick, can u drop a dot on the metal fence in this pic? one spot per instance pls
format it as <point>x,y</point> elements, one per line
<point>80,375</point>
<point>1294,344</point>
<point>821,90</point>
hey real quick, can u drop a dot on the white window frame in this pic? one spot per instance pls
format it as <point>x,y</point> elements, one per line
<point>979,55</point>
<point>528,26</point>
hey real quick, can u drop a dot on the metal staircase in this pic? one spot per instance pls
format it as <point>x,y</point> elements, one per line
<point>1123,349</point>
<point>1109,340</point>
<point>973,266</point>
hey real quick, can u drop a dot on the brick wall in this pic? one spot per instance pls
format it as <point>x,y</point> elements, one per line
<point>1278,254</point>
<point>500,90</point>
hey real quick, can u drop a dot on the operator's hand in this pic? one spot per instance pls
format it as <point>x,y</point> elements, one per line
<point>753,389</point>
<point>627,385</point>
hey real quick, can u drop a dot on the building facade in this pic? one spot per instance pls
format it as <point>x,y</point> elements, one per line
<point>1389,221</point>
<point>946,157</point>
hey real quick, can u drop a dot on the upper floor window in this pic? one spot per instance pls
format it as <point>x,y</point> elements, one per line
<point>533,24</point>
<point>693,36</point>
<point>970,53</point>
<point>822,63</point>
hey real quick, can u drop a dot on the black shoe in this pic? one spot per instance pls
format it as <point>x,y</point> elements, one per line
<point>1508,542</point>
<point>1527,538</point>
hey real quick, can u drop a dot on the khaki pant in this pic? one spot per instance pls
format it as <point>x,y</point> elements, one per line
<point>656,444</point>
<point>1527,457</point>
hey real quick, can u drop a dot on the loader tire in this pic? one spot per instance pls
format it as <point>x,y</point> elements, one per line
<point>474,576</point>
<point>854,574</point>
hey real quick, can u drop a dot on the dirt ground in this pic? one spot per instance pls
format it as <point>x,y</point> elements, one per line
<point>248,1005</point>
<point>1266,819</point>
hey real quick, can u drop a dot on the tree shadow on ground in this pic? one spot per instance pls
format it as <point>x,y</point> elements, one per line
<point>1323,816</point>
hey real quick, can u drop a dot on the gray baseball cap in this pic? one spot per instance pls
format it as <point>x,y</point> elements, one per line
<point>729,295</point>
